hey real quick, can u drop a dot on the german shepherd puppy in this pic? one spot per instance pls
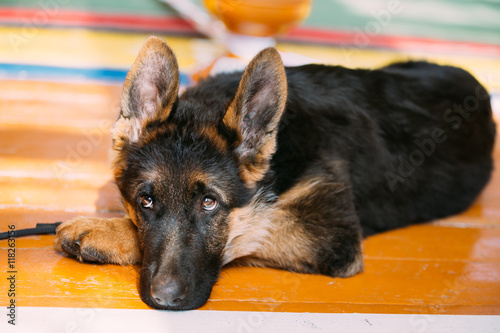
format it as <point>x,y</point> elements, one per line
<point>280,167</point>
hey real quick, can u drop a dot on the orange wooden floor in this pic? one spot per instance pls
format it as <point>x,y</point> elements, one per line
<point>54,140</point>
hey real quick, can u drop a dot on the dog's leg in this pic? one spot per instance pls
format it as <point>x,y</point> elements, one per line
<point>103,240</point>
<point>312,228</point>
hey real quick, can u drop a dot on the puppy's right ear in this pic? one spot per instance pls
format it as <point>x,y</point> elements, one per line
<point>255,113</point>
<point>150,89</point>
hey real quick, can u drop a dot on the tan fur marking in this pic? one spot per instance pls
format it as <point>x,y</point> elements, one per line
<point>249,227</point>
<point>118,135</point>
<point>114,238</point>
<point>302,189</point>
<point>253,172</point>
<point>251,175</point>
<point>152,135</point>
<point>355,267</point>
<point>130,212</point>
<point>269,233</point>
<point>212,135</point>
<point>305,189</point>
<point>204,178</point>
<point>231,118</point>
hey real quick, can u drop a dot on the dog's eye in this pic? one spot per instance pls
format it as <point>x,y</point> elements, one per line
<point>146,201</point>
<point>209,204</point>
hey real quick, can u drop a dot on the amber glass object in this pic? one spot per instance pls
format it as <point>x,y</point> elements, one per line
<point>261,18</point>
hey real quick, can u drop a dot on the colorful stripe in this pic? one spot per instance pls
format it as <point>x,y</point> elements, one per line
<point>72,18</point>
<point>174,25</point>
<point>357,40</point>
<point>37,72</point>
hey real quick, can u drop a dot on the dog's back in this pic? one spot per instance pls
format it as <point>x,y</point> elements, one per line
<point>413,139</point>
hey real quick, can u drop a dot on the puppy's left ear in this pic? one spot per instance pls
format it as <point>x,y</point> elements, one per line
<point>150,88</point>
<point>256,111</point>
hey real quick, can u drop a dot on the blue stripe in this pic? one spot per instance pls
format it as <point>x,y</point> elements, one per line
<point>37,72</point>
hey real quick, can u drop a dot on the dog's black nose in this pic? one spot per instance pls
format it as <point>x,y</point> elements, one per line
<point>169,292</point>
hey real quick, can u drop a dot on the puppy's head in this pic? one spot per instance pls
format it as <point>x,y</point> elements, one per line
<point>182,165</point>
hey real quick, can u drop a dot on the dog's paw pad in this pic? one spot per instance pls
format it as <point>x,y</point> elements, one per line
<point>92,255</point>
<point>70,247</point>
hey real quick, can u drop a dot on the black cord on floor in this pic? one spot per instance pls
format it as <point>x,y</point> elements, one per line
<point>41,229</point>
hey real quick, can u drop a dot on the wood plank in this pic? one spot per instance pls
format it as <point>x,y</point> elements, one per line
<point>72,196</point>
<point>53,104</point>
<point>47,278</point>
<point>434,243</point>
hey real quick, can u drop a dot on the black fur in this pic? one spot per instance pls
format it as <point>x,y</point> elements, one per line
<point>370,119</point>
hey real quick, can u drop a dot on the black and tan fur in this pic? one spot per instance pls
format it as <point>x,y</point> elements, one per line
<point>285,168</point>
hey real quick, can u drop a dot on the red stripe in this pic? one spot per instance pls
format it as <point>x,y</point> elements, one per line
<point>359,41</point>
<point>38,17</point>
<point>355,41</point>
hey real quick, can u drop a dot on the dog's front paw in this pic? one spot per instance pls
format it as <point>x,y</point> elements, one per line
<point>102,240</point>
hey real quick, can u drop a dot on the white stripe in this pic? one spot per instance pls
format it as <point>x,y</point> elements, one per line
<point>50,320</point>
<point>495,104</point>
<point>59,97</point>
<point>103,178</point>
<point>53,208</point>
